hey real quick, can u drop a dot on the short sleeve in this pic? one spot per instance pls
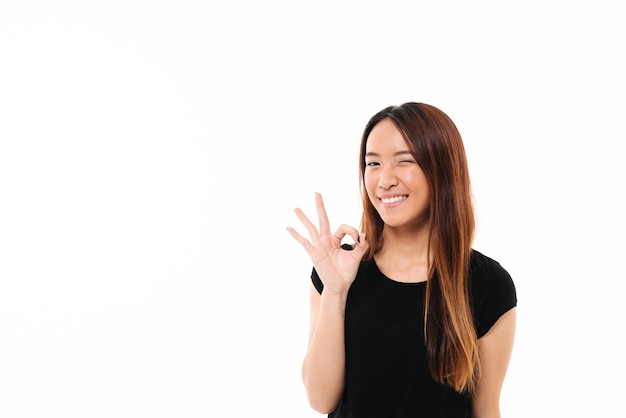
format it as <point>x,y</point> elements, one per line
<point>493,292</point>
<point>317,282</point>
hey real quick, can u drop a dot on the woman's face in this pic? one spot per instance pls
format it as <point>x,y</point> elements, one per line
<point>395,183</point>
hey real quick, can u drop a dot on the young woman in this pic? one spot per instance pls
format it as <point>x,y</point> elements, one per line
<point>410,320</point>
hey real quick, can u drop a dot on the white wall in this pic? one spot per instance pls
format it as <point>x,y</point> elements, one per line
<point>151,154</point>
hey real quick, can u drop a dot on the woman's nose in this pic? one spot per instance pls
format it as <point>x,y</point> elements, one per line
<point>387,179</point>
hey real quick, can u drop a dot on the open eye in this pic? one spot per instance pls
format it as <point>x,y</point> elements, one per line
<point>371,163</point>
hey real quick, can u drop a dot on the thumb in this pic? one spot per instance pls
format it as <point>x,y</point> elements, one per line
<point>362,245</point>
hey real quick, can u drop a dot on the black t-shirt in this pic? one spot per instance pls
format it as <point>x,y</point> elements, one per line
<point>386,368</point>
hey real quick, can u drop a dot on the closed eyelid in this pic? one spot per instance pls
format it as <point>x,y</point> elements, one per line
<point>398,157</point>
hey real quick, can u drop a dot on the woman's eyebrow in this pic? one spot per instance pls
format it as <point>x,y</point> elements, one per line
<point>395,154</point>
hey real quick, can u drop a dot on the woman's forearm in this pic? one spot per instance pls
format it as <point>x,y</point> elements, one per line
<point>323,369</point>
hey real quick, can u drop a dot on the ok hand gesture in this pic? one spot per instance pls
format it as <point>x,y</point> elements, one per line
<point>336,267</point>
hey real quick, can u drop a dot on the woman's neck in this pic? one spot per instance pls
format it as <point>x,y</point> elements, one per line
<point>404,254</point>
<point>405,241</point>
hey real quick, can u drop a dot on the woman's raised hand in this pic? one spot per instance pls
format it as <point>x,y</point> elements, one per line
<point>336,267</point>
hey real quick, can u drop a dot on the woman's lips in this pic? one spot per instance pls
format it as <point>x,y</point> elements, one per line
<point>391,201</point>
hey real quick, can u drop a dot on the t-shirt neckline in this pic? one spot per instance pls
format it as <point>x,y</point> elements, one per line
<point>389,279</point>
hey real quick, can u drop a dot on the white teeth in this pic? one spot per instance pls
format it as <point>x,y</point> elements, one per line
<point>392,199</point>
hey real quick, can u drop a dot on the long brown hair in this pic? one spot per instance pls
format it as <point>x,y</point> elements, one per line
<point>434,140</point>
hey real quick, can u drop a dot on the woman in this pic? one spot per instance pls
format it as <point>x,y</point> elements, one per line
<point>410,320</point>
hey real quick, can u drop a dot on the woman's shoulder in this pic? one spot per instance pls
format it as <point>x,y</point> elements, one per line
<point>493,290</point>
<point>486,268</point>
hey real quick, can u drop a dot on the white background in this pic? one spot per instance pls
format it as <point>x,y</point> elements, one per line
<point>151,154</point>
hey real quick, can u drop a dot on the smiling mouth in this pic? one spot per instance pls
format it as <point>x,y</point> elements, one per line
<point>394,199</point>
